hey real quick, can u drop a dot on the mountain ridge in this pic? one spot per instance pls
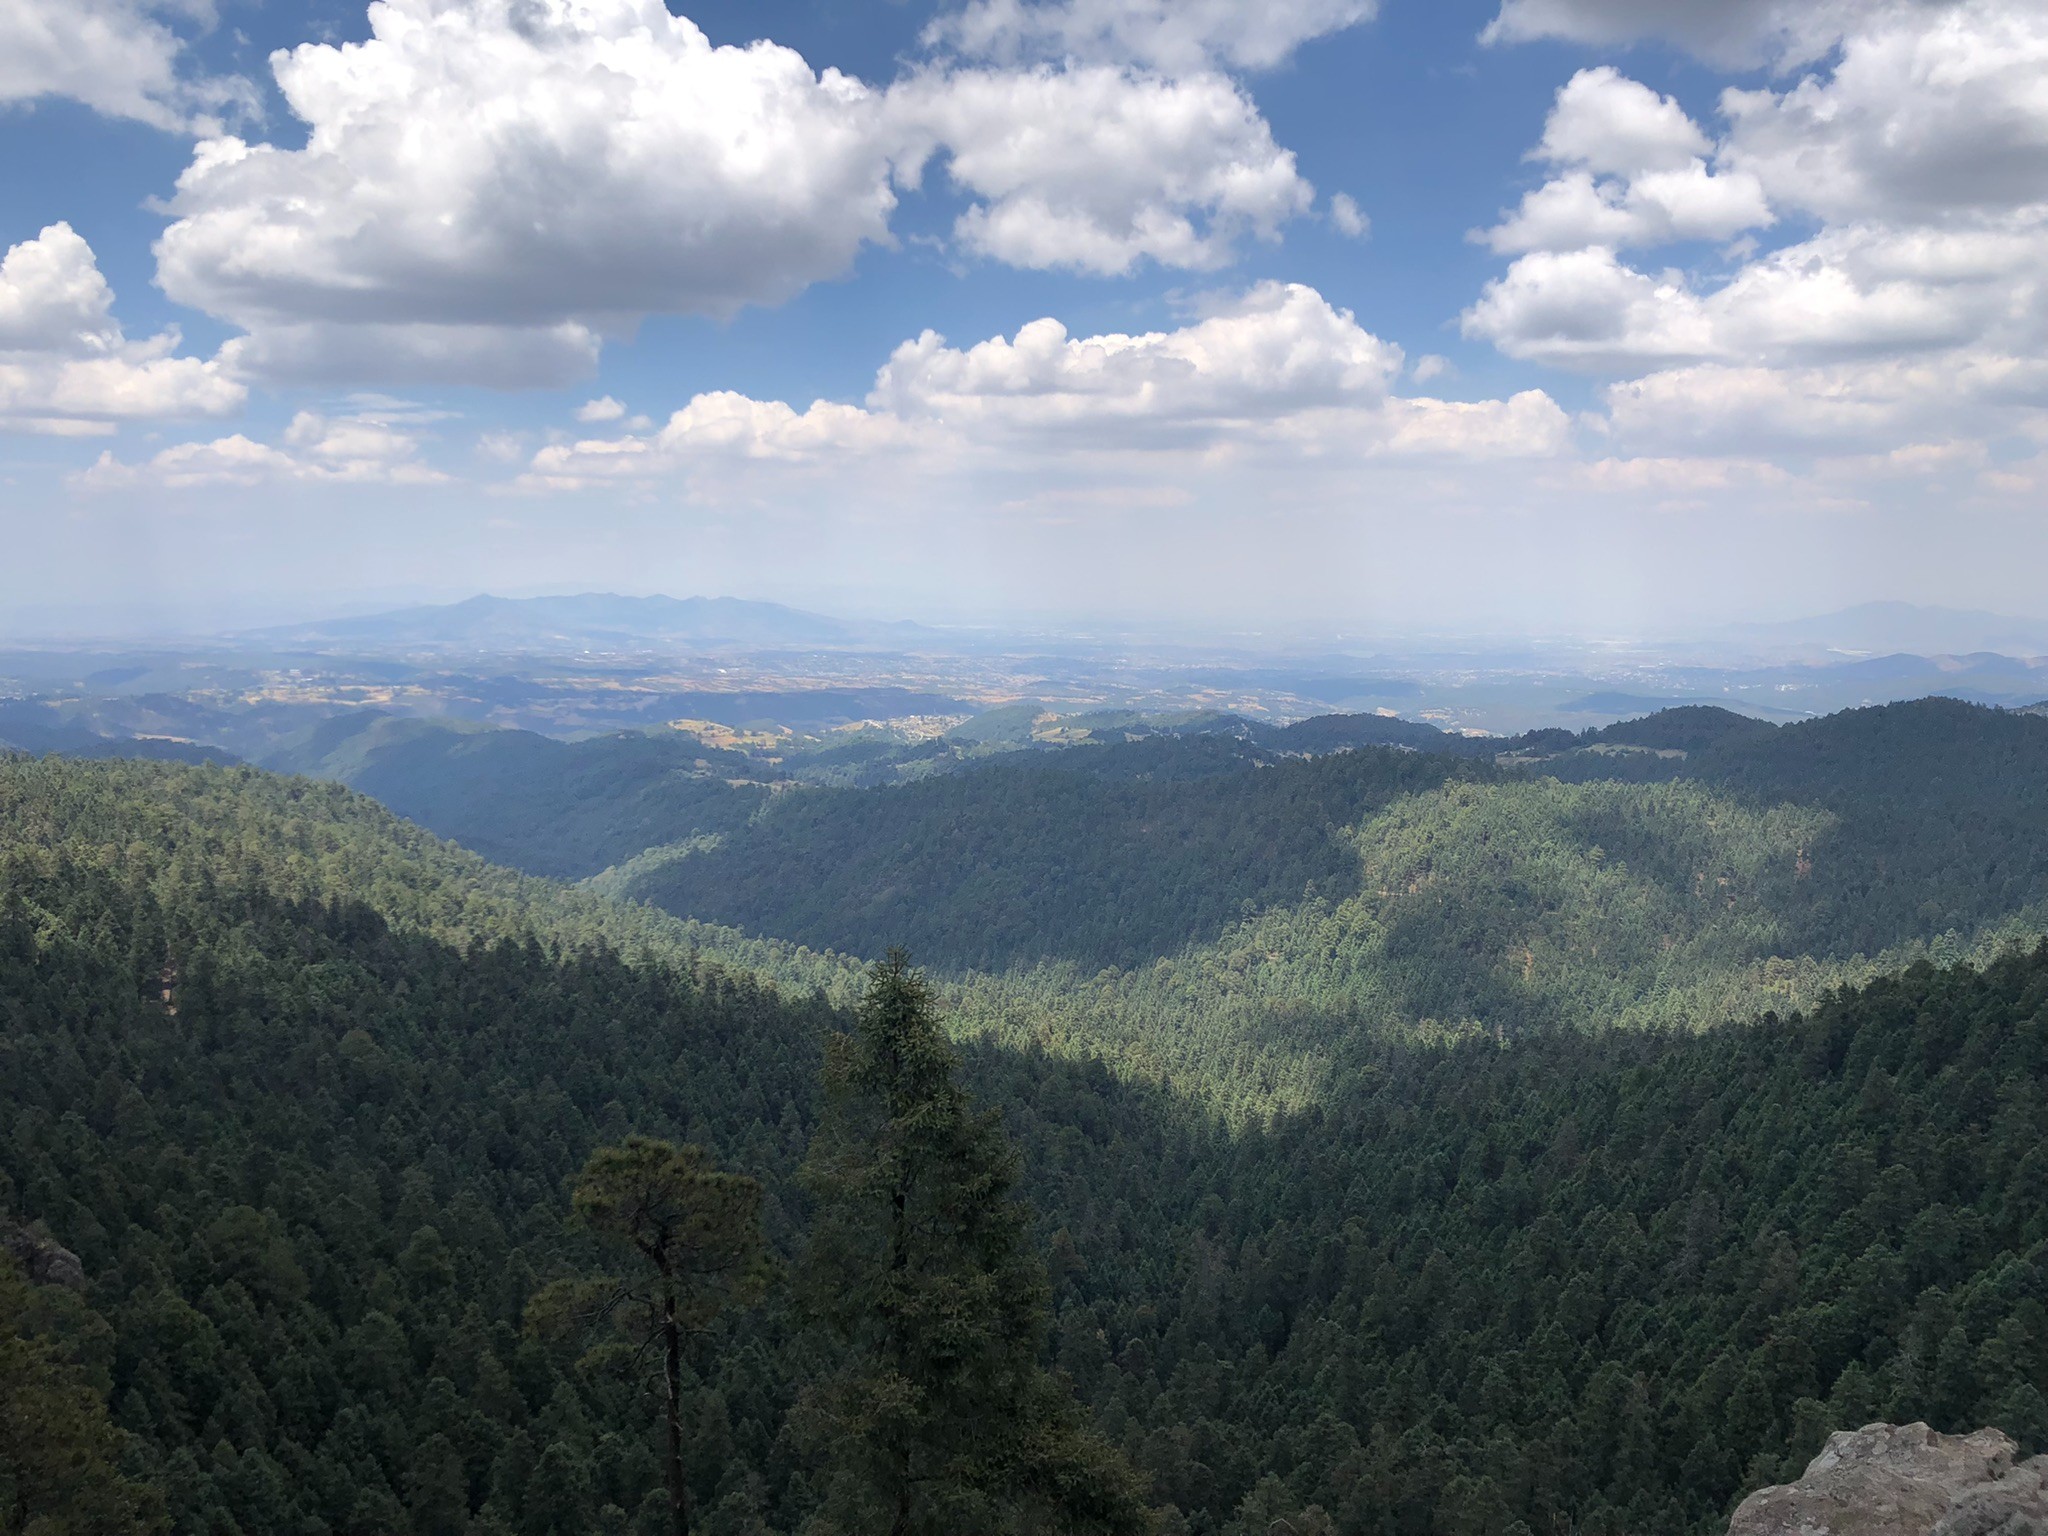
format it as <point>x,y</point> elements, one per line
<point>596,619</point>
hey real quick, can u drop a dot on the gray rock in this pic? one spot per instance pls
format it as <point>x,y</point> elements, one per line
<point>1905,1480</point>
<point>46,1261</point>
<point>2015,1505</point>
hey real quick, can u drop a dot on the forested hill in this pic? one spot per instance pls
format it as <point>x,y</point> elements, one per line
<point>561,809</point>
<point>1228,911</point>
<point>1105,856</point>
<point>1683,868</point>
<point>311,1150</point>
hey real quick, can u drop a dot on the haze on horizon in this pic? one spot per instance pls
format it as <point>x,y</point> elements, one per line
<point>1541,317</point>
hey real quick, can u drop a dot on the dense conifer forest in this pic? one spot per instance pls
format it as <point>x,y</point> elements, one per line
<point>307,1092</point>
<point>1222,905</point>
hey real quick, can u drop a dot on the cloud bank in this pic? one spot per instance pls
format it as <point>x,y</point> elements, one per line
<point>489,188</point>
<point>67,368</point>
<point>1909,310</point>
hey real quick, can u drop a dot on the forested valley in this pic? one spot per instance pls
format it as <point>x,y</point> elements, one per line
<point>1222,908</point>
<point>307,1091</point>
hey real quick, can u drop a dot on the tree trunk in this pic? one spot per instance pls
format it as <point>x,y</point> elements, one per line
<point>899,1350</point>
<point>672,1346</point>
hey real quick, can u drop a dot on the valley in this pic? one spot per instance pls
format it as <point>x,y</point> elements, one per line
<point>1024,768</point>
<point>1614,1275</point>
<point>1420,1131</point>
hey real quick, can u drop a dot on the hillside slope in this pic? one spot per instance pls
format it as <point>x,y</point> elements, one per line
<point>300,1087</point>
<point>555,808</point>
<point>1220,913</point>
<point>1098,856</point>
<point>1677,870</point>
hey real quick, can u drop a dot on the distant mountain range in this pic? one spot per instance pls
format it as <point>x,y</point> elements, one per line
<point>1881,628</point>
<point>606,620</point>
<point>598,620</point>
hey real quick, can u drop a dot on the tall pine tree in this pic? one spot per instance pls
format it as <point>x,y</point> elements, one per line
<point>940,1419</point>
<point>698,1231</point>
<point>60,1458</point>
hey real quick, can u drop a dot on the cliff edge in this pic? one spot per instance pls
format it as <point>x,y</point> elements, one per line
<point>1905,1480</point>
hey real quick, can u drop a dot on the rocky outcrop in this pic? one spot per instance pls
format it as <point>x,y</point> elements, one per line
<point>2014,1505</point>
<point>45,1261</point>
<point>1905,1480</point>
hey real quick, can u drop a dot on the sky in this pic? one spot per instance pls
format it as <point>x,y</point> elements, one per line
<point>1362,316</point>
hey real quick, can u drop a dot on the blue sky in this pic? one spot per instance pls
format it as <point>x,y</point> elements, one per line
<point>526,294</point>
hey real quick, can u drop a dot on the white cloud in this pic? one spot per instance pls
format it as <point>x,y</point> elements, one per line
<point>416,352</point>
<point>1616,126</point>
<point>604,408</point>
<point>1850,292</point>
<point>65,365</point>
<point>1586,309</point>
<point>1914,314</point>
<point>1279,349</point>
<point>722,428</point>
<point>1717,408</point>
<point>1274,371</point>
<point>1930,112</point>
<point>1635,174</point>
<point>1349,218</point>
<point>353,450</point>
<point>489,188</point>
<point>1179,35</point>
<point>1842,408</point>
<point>1573,211</point>
<point>1648,474</point>
<point>1729,32</point>
<point>516,178</point>
<point>1525,425</point>
<point>1097,168</point>
<point>116,56</point>
<point>53,297</point>
<point>503,447</point>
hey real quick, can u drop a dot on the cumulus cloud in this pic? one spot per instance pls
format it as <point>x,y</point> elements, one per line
<point>490,188</point>
<point>1635,173</point>
<point>604,408</point>
<point>1718,408</point>
<point>361,449</point>
<point>1649,474</point>
<point>1586,309</point>
<point>1915,312</point>
<point>519,177</point>
<point>1525,425</point>
<point>65,365</point>
<point>53,297</point>
<point>1278,349</point>
<point>1097,168</point>
<point>1728,32</point>
<point>1349,218</point>
<point>1616,126</point>
<point>1275,369</point>
<point>1844,408</point>
<point>1175,35</point>
<point>413,352</point>
<point>1930,112</point>
<point>116,56</point>
<point>722,428</point>
<point>1846,293</point>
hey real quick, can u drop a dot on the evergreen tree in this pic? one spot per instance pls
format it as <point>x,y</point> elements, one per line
<point>699,1232</point>
<point>59,1456</point>
<point>941,1418</point>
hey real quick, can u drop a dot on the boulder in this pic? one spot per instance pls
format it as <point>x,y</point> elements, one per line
<point>2014,1505</point>
<point>1905,1480</point>
<point>44,1260</point>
